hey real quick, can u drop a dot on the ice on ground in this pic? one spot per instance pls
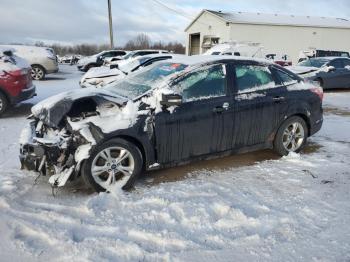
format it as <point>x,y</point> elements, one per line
<point>295,208</point>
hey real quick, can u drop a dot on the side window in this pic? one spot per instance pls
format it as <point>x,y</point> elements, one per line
<point>346,63</point>
<point>251,78</point>
<point>203,84</point>
<point>109,54</point>
<point>286,78</point>
<point>120,53</point>
<point>337,63</point>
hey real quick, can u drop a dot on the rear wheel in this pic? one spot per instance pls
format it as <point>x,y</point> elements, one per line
<point>3,103</point>
<point>115,163</point>
<point>38,73</point>
<point>291,136</point>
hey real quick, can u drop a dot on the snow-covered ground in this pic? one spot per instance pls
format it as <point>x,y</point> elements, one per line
<point>295,208</point>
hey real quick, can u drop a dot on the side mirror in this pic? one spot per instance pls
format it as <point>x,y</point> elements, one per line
<point>331,68</point>
<point>171,100</point>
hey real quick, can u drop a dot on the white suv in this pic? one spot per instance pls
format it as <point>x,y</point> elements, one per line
<point>43,60</point>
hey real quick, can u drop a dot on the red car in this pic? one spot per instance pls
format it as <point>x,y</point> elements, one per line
<point>15,80</point>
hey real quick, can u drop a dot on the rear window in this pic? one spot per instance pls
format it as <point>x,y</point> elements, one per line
<point>285,77</point>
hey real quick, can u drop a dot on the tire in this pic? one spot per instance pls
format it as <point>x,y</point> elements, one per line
<point>3,103</point>
<point>287,133</point>
<point>38,72</point>
<point>107,172</point>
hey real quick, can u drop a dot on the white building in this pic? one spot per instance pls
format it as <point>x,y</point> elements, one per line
<point>278,34</point>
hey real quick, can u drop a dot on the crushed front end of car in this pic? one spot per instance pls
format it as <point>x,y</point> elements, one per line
<point>54,152</point>
<point>61,133</point>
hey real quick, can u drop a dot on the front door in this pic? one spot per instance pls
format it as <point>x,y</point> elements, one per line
<point>203,124</point>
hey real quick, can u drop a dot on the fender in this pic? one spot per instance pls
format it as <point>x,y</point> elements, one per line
<point>136,134</point>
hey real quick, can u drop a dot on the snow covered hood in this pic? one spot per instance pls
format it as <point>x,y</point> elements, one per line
<point>302,69</point>
<point>103,71</point>
<point>52,110</point>
<point>88,59</point>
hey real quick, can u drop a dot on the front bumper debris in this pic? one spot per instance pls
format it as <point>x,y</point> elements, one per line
<point>45,156</point>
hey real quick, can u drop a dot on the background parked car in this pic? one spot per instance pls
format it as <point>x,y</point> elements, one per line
<point>283,60</point>
<point>97,60</point>
<point>101,76</point>
<point>137,53</point>
<point>314,53</point>
<point>15,80</point>
<point>330,72</point>
<point>42,60</point>
<point>69,59</point>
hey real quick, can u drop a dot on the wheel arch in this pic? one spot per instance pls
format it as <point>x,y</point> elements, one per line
<point>42,67</point>
<point>299,114</point>
<point>138,144</point>
<point>7,96</point>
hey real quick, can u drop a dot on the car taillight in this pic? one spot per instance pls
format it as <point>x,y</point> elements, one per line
<point>318,91</point>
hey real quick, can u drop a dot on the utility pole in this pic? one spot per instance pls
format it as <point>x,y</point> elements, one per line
<point>110,23</point>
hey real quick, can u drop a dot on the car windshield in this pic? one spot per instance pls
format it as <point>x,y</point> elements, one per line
<point>314,63</point>
<point>131,54</point>
<point>138,84</point>
<point>128,65</point>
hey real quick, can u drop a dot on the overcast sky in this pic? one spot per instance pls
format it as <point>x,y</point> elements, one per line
<point>85,21</point>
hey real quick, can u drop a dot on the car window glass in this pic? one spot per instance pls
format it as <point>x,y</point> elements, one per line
<point>285,77</point>
<point>203,84</point>
<point>336,63</point>
<point>346,63</point>
<point>252,78</point>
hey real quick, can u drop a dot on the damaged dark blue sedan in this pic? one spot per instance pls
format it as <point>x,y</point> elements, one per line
<point>170,113</point>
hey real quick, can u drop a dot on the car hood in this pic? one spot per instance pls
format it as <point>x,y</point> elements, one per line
<point>100,72</point>
<point>87,60</point>
<point>302,69</point>
<point>52,110</point>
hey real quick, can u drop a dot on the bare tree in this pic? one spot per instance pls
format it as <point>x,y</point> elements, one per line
<point>141,41</point>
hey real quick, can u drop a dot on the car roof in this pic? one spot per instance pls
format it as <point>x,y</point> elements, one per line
<point>150,50</point>
<point>329,58</point>
<point>204,59</point>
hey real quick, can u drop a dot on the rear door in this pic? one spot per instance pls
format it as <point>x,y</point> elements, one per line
<point>203,124</point>
<point>260,104</point>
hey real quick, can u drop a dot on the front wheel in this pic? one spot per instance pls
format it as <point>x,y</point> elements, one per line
<point>291,136</point>
<point>38,73</point>
<point>116,162</point>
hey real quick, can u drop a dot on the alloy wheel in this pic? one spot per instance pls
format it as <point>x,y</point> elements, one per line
<point>112,165</point>
<point>293,137</point>
<point>37,73</point>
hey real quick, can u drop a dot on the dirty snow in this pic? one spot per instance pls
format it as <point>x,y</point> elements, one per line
<point>294,208</point>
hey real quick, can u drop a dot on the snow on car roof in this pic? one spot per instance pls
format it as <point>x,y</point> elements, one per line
<point>201,59</point>
<point>278,19</point>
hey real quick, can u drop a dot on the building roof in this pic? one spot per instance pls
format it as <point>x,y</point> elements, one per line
<point>278,19</point>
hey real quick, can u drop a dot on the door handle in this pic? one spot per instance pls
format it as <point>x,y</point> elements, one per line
<point>278,99</point>
<point>220,109</point>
